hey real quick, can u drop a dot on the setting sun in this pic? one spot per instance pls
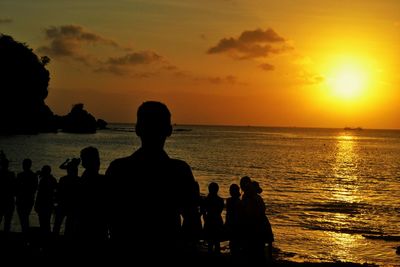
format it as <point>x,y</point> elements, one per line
<point>347,81</point>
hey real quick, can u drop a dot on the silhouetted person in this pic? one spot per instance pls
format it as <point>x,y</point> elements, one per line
<point>267,228</point>
<point>150,193</point>
<point>192,226</point>
<point>213,223</point>
<point>252,223</point>
<point>7,193</point>
<point>232,221</point>
<point>27,183</point>
<point>67,197</point>
<point>92,219</point>
<point>44,204</point>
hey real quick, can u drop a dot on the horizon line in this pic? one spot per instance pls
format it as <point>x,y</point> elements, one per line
<point>266,126</point>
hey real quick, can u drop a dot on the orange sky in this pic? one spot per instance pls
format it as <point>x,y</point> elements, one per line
<point>307,63</point>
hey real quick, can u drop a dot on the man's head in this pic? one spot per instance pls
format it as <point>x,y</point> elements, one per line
<point>153,124</point>
<point>90,158</point>
<point>26,164</point>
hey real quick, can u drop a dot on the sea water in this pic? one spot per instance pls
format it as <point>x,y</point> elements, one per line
<point>331,194</point>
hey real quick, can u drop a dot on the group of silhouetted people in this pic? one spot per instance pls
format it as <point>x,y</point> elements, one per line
<point>73,198</point>
<point>143,200</point>
<point>246,225</point>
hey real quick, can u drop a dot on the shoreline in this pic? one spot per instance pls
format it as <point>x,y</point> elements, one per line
<point>38,250</point>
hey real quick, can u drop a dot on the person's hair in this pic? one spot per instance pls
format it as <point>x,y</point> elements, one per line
<point>46,170</point>
<point>153,118</point>
<point>27,163</point>
<point>234,190</point>
<point>257,187</point>
<point>245,182</point>
<point>90,157</point>
<point>213,188</point>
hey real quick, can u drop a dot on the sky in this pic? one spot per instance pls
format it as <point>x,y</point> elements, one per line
<point>291,63</point>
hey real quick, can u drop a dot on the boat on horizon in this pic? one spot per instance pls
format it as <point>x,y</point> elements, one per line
<point>352,129</point>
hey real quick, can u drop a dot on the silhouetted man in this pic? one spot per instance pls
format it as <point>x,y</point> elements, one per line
<point>67,198</point>
<point>150,193</point>
<point>44,204</point>
<point>27,183</point>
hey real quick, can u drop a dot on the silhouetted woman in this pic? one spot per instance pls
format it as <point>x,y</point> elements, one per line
<point>92,212</point>
<point>213,223</point>
<point>266,230</point>
<point>252,223</point>
<point>44,204</point>
<point>7,193</point>
<point>27,183</point>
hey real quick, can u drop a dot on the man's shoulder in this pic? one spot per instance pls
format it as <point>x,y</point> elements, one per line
<point>121,164</point>
<point>121,161</point>
<point>180,164</point>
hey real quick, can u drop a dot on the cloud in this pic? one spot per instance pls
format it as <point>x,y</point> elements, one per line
<point>122,65</point>
<point>267,67</point>
<point>135,58</point>
<point>252,45</point>
<point>4,21</point>
<point>70,41</point>
<point>227,79</point>
<point>77,43</point>
<point>219,80</point>
<point>310,77</point>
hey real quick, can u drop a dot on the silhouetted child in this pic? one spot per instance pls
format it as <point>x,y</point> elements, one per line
<point>213,223</point>
<point>44,205</point>
<point>27,183</point>
<point>232,221</point>
<point>67,198</point>
<point>7,193</point>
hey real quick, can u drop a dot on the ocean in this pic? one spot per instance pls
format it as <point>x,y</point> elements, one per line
<point>331,194</point>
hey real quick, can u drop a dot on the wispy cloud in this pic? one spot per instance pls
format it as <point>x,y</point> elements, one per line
<point>219,80</point>
<point>70,41</point>
<point>75,42</point>
<point>251,45</point>
<point>306,77</point>
<point>135,58</point>
<point>122,65</point>
<point>4,21</point>
<point>267,67</point>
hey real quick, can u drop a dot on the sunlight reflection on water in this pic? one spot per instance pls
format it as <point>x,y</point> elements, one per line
<point>325,189</point>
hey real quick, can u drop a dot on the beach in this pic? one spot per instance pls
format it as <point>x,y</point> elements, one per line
<point>57,249</point>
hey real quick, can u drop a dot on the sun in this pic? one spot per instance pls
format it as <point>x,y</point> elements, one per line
<point>347,81</point>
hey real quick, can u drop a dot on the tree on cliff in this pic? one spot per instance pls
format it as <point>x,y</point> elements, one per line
<point>23,88</point>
